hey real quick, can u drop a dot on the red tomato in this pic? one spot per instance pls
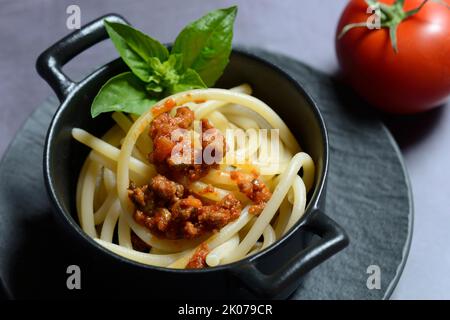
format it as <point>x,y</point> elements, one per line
<point>415,79</point>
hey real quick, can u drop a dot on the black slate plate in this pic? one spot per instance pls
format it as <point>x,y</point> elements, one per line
<point>368,194</point>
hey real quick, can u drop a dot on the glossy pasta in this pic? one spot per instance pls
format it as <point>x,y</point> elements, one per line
<point>105,211</point>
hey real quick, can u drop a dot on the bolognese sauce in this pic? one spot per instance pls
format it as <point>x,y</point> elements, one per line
<point>253,188</point>
<point>198,259</point>
<point>168,210</point>
<point>166,206</point>
<point>168,151</point>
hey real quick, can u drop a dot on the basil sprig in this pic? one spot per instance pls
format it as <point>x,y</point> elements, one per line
<point>199,55</point>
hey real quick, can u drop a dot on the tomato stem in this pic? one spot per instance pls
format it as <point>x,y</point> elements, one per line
<point>414,11</point>
<point>389,16</point>
<point>393,36</point>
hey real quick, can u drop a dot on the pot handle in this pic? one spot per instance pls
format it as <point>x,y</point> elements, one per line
<point>49,64</point>
<point>266,286</point>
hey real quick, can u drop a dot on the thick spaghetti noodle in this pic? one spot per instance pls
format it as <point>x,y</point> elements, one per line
<point>144,207</point>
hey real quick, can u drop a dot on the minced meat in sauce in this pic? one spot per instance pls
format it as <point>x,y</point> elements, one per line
<point>193,167</point>
<point>168,210</point>
<point>166,206</point>
<point>198,259</point>
<point>254,189</point>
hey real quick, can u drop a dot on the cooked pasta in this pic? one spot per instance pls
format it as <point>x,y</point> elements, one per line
<point>137,201</point>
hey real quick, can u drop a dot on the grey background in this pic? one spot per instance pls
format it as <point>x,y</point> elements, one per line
<point>303,29</point>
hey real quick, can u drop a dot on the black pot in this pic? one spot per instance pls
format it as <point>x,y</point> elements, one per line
<point>273,273</point>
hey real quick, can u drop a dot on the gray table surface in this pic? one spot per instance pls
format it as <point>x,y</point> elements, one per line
<point>303,29</point>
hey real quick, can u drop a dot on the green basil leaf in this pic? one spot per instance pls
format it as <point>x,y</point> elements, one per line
<point>135,48</point>
<point>167,74</point>
<point>154,88</point>
<point>206,43</point>
<point>171,68</point>
<point>175,61</point>
<point>188,81</point>
<point>124,93</point>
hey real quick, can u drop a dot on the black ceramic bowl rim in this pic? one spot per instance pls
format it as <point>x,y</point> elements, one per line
<point>310,208</point>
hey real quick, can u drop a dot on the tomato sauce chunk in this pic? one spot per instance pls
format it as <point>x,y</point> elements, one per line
<point>254,189</point>
<point>174,152</point>
<point>169,211</point>
<point>198,259</point>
